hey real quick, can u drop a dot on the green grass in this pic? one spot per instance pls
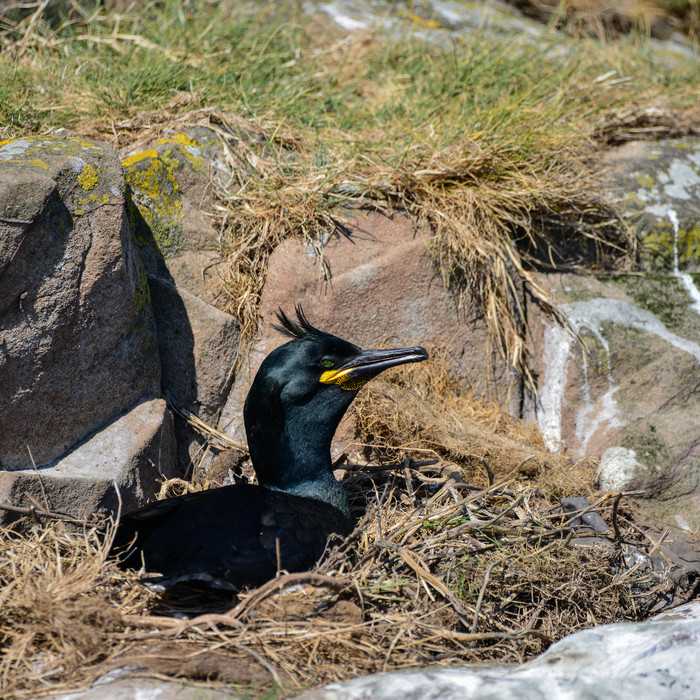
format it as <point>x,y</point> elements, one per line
<point>269,64</point>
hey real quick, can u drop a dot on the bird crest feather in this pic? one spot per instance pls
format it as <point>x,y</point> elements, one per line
<point>301,328</point>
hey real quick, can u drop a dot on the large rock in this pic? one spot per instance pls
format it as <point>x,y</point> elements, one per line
<point>647,661</point>
<point>198,345</point>
<point>77,337</point>
<point>631,394</point>
<point>380,287</point>
<point>134,684</point>
<point>171,192</point>
<point>122,465</point>
<point>658,184</point>
<point>432,20</point>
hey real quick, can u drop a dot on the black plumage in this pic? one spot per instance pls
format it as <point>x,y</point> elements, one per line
<point>242,535</point>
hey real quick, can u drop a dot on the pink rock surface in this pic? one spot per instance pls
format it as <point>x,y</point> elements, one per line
<point>380,288</point>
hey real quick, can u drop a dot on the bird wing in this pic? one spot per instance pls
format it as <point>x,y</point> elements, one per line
<point>293,535</point>
<point>238,535</point>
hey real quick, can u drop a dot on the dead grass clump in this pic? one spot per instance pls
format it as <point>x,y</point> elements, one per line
<point>423,411</point>
<point>60,604</point>
<point>550,588</point>
<point>438,570</point>
<point>492,220</point>
<point>602,18</point>
<point>635,123</point>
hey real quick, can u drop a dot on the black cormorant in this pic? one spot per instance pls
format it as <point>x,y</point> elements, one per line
<point>242,535</point>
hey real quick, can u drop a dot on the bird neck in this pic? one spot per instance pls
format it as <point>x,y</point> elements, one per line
<point>325,489</point>
<point>290,444</point>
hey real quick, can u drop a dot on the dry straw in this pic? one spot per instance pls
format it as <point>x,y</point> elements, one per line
<point>494,223</point>
<point>491,230</point>
<point>437,570</point>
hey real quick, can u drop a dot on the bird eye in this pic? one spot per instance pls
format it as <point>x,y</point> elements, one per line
<point>327,363</point>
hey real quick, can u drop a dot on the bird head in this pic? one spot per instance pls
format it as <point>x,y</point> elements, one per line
<point>315,360</point>
<point>301,392</point>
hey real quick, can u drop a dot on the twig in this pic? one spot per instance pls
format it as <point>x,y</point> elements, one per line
<point>616,529</point>
<point>203,428</point>
<point>407,477</point>
<point>41,513</point>
<point>41,481</point>
<point>482,590</point>
<point>410,559</point>
<point>494,520</point>
<point>286,581</point>
<point>616,504</point>
<point>489,472</point>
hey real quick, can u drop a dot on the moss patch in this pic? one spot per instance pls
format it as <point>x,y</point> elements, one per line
<point>650,449</point>
<point>666,298</point>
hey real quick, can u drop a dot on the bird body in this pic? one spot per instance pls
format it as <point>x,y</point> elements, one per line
<point>244,534</point>
<point>191,538</point>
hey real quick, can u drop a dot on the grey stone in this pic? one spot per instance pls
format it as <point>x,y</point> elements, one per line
<point>198,346</point>
<point>631,394</point>
<point>131,684</point>
<point>77,337</point>
<point>171,194</point>
<point>592,519</point>
<point>133,454</point>
<point>434,20</point>
<point>653,660</point>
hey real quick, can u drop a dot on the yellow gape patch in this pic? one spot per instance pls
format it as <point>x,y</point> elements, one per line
<point>343,379</point>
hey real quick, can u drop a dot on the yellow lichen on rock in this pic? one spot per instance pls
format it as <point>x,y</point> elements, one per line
<point>88,178</point>
<point>138,157</point>
<point>156,194</point>
<point>182,139</point>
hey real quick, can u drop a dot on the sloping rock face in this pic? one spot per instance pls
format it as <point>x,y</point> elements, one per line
<point>77,337</point>
<point>172,192</point>
<point>378,286</point>
<point>121,466</point>
<point>646,661</point>
<point>198,342</point>
<point>632,397</point>
<point>658,182</point>
<point>198,345</point>
<point>433,20</point>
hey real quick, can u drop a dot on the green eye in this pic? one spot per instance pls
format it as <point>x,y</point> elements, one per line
<point>327,363</point>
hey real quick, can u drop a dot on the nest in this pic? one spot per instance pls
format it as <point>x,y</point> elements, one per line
<point>437,571</point>
<point>461,553</point>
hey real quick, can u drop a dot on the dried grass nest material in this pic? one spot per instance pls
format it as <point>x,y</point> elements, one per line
<point>437,571</point>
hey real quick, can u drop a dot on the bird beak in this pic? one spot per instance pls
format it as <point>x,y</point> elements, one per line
<point>355,373</point>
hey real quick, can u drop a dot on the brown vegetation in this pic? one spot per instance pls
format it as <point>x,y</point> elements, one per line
<point>610,18</point>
